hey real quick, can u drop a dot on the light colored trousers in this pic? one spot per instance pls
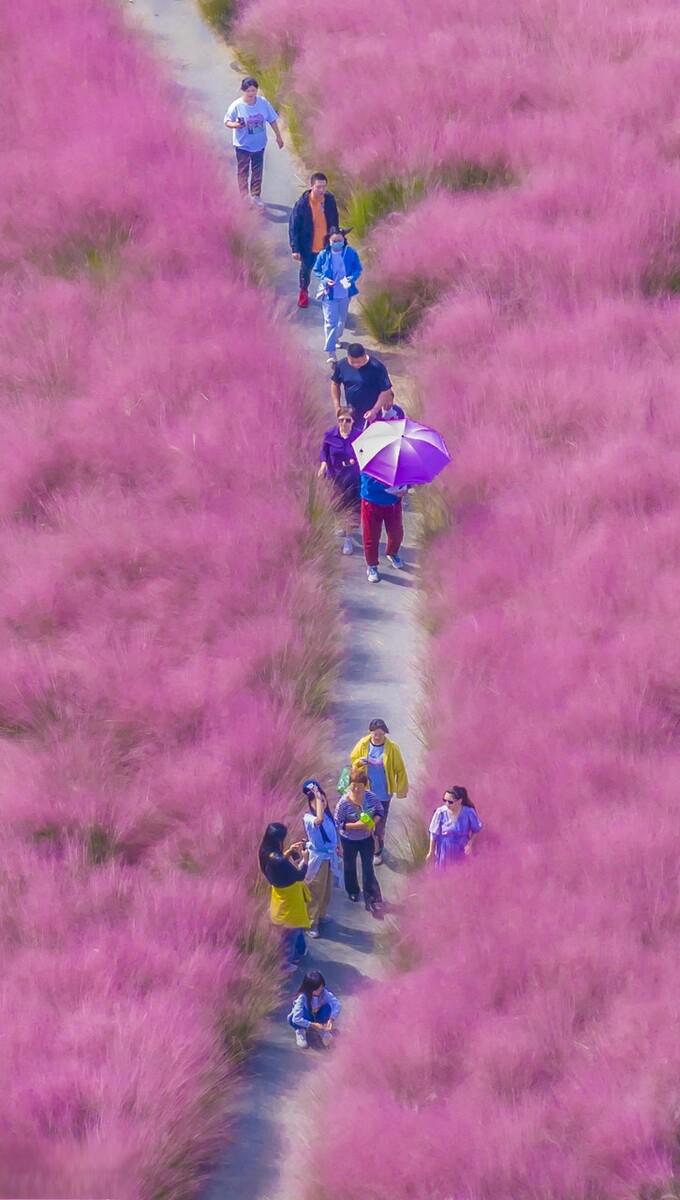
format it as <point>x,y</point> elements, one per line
<point>334,317</point>
<point>321,887</point>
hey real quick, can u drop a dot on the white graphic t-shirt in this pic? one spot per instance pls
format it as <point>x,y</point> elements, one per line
<point>252,135</point>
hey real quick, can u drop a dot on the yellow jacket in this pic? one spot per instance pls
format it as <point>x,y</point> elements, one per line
<point>395,771</point>
<point>288,906</point>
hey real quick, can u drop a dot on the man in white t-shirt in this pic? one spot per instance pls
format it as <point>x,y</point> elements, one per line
<point>249,116</point>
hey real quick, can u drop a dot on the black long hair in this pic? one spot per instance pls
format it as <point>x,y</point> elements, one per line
<point>460,793</point>
<point>308,791</point>
<point>311,981</point>
<point>272,843</point>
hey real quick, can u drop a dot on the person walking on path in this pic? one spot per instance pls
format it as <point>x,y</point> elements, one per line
<point>380,505</point>
<point>338,267</point>
<point>453,828</point>
<point>248,117</point>
<point>314,1011</point>
<point>368,387</point>
<point>340,467</point>
<point>387,776</point>
<point>356,816</point>
<point>285,870</point>
<point>323,867</point>
<point>310,220</point>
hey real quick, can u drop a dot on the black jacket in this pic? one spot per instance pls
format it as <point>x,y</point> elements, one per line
<point>301,225</point>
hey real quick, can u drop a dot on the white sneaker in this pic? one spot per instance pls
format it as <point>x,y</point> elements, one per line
<point>258,201</point>
<point>372,575</point>
<point>313,932</point>
<point>396,560</point>
<point>301,1038</point>
<point>378,859</point>
<point>331,360</point>
<point>348,546</point>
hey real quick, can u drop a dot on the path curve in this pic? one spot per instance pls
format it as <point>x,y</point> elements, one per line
<point>379,675</point>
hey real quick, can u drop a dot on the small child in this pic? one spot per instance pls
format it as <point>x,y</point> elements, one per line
<point>315,1009</point>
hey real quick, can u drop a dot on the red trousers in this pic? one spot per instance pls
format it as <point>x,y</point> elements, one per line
<point>372,517</point>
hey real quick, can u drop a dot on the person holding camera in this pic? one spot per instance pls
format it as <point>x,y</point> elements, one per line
<point>324,851</point>
<point>311,217</point>
<point>248,117</point>
<point>285,871</point>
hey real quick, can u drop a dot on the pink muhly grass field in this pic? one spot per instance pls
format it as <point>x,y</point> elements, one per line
<point>526,1044</point>
<point>164,617</point>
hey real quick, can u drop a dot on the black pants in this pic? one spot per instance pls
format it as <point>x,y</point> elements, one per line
<point>307,261</point>
<point>349,862</point>
<point>249,166</point>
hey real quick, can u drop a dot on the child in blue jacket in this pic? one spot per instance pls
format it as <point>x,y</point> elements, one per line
<point>314,1011</point>
<point>339,267</point>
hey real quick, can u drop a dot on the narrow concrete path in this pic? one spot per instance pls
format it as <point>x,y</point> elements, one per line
<point>379,675</point>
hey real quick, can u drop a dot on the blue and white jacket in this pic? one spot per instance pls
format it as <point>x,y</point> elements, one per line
<point>352,263</point>
<point>301,1016</point>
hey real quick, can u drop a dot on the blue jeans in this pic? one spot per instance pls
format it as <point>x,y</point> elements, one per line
<point>334,317</point>
<point>323,1015</point>
<point>294,944</point>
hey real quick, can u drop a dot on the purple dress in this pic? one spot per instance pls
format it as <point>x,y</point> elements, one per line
<point>452,836</point>
<point>343,469</point>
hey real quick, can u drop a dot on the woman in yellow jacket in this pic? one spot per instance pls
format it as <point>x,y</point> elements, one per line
<point>386,772</point>
<point>285,870</point>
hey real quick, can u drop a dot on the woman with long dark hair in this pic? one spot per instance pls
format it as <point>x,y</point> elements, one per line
<point>315,1010</point>
<point>323,849</point>
<point>285,870</point>
<point>453,828</point>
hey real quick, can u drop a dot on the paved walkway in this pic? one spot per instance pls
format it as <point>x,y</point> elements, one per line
<point>378,676</point>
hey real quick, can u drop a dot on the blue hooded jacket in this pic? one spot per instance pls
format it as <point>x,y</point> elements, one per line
<point>353,268</point>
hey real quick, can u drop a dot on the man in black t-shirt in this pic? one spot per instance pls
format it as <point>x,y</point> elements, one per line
<point>367,385</point>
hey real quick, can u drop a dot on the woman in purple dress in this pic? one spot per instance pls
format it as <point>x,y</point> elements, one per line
<point>340,467</point>
<point>453,828</point>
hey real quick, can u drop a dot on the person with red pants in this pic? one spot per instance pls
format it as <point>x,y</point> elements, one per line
<point>380,505</point>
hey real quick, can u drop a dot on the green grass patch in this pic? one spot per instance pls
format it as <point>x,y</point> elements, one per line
<point>218,13</point>
<point>392,315</point>
<point>95,253</point>
<point>433,511</point>
<point>366,206</point>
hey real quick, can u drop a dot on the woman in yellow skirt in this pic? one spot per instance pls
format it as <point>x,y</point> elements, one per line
<point>285,870</point>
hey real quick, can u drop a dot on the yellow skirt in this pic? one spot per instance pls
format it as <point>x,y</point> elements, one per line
<point>289,906</point>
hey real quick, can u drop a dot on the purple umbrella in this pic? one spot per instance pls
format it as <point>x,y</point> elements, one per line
<point>401,453</point>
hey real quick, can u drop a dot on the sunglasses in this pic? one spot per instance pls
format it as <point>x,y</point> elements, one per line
<point>454,801</point>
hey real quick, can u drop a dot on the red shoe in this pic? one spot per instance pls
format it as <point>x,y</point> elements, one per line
<point>303,298</point>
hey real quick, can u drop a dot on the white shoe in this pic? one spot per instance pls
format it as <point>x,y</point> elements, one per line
<point>377,860</point>
<point>257,201</point>
<point>348,546</point>
<point>301,1038</point>
<point>372,575</point>
<point>396,560</point>
<point>331,360</point>
<point>313,932</point>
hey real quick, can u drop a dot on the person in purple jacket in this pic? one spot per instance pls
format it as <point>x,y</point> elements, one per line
<point>340,467</point>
